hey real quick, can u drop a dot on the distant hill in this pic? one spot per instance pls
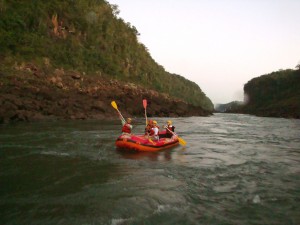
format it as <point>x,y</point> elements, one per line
<point>229,107</point>
<point>88,37</point>
<point>276,94</point>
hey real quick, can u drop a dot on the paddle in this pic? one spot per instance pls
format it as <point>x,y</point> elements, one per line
<point>145,106</point>
<point>114,104</point>
<point>181,141</point>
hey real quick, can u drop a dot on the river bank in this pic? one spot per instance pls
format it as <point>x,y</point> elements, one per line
<point>30,93</point>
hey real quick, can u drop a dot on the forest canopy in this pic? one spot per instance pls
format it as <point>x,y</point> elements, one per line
<point>274,94</point>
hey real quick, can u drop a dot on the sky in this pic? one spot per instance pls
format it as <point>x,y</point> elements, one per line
<point>218,44</point>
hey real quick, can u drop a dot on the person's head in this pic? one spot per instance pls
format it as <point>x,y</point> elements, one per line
<point>169,122</point>
<point>129,120</point>
<point>154,123</point>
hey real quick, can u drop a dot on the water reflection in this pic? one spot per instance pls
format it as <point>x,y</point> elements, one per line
<point>165,155</point>
<point>177,155</point>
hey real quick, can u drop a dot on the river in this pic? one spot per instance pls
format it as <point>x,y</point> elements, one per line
<point>235,169</point>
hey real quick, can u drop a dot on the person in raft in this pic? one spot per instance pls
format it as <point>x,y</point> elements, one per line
<point>127,127</point>
<point>148,127</point>
<point>169,129</point>
<point>154,131</point>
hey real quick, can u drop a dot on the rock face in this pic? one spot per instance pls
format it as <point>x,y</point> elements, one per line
<point>230,107</point>
<point>274,95</point>
<point>31,94</point>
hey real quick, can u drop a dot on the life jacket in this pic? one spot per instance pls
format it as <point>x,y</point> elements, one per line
<point>148,129</point>
<point>126,128</point>
<point>152,131</point>
<point>170,128</point>
<point>168,131</point>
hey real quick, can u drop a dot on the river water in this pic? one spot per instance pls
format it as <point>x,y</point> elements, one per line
<point>235,169</point>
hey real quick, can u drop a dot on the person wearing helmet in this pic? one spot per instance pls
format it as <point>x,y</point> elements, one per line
<point>148,127</point>
<point>127,127</point>
<point>169,129</point>
<point>154,131</point>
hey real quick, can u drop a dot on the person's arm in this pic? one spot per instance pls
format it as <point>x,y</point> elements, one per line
<point>122,120</point>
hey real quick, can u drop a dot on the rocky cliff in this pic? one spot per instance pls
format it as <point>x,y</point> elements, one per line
<point>276,94</point>
<point>86,36</point>
<point>30,93</point>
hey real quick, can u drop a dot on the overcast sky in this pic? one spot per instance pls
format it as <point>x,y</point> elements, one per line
<point>218,44</point>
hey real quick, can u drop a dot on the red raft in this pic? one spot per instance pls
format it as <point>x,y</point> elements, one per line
<point>143,143</point>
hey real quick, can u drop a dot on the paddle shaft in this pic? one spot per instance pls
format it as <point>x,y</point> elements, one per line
<point>145,107</point>
<point>181,141</point>
<point>146,117</point>
<point>171,131</point>
<point>121,117</point>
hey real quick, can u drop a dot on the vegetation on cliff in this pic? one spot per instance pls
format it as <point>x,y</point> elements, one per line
<point>275,94</point>
<point>272,95</point>
<point>30,94</point>
<point>86,36</point>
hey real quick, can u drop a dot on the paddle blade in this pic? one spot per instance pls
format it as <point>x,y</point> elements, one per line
<point>150,140</point>
<point>145,103</point>
<point>114,104</point>
<point>181,141</point>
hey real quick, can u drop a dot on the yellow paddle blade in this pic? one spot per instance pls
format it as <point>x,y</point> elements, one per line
<point>114,104</point>
<point>181,141</point>
<point>150,140</point>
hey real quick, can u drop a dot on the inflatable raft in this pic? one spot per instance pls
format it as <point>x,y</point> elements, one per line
<point>143,143</point>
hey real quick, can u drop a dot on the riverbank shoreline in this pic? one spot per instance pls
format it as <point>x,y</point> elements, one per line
<point>30,93</point>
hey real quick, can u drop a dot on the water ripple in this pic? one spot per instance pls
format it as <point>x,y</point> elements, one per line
<point>235,169</point>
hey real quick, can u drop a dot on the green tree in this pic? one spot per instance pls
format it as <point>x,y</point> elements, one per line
<point>87,35</point>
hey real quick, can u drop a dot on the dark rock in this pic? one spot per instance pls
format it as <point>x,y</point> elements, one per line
<point>76,75</point>
<point>66,97</point>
